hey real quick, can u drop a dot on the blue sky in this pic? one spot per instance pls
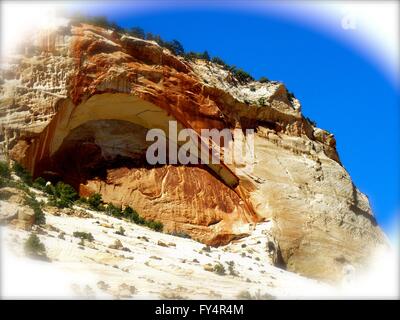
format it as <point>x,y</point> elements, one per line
<point>338,87</point>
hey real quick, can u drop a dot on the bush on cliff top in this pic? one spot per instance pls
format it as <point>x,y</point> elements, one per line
<point>221,62</point>
<point>99,21</point>
<point>191,55</point>
<point>174,45</point>
<point>136,32</point>
<point>241,75</point>
<point>312,122</point>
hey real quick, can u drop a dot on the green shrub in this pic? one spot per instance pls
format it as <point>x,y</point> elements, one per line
<point>34,248</point>
<point>133,216</point>
<point>39,183</point>
<point>136,32</point>
<point>290,95</point>
<point>35,205</point>
<point>21,172</point>
<point>83,235</point>
<point>153,37</point>
<point>241,75</point>
<point>14,184</point>
<point>175,47</point>
<point>263,80</point>
<point>5,170</point>
<point>191,55</point>
<point>59,203</point>
<point>231,268</point>
<point>244,295</point>
<point>100,21</point>
<point>219,61</point>
<point>154,225</point>
<point>128,211</point>
<point>262,101</point>
<point>312,122</point>
<point>95,201</point>
<point>62,195</point>
<point>263,296</point>
<point>49,189</point>
<point>65,191</point>
<point>219,269</point>
<point>121,231</point>
<point>114,211</point>
<point>205,56</point>
<point>81,200</point>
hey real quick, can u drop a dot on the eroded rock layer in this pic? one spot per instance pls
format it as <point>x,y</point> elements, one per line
<point>78,109</point>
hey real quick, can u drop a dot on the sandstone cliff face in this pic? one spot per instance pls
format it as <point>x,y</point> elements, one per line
<point>79,109</point>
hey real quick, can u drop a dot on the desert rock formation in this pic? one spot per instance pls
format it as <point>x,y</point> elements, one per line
<point>78,109</point>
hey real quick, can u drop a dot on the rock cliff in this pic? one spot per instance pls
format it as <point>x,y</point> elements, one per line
<point>76,104</point>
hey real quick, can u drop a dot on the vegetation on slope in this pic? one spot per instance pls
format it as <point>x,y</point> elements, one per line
<point>63,195</point>
<point>174,45</point>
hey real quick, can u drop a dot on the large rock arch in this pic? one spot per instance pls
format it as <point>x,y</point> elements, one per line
<point>99,146</point>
